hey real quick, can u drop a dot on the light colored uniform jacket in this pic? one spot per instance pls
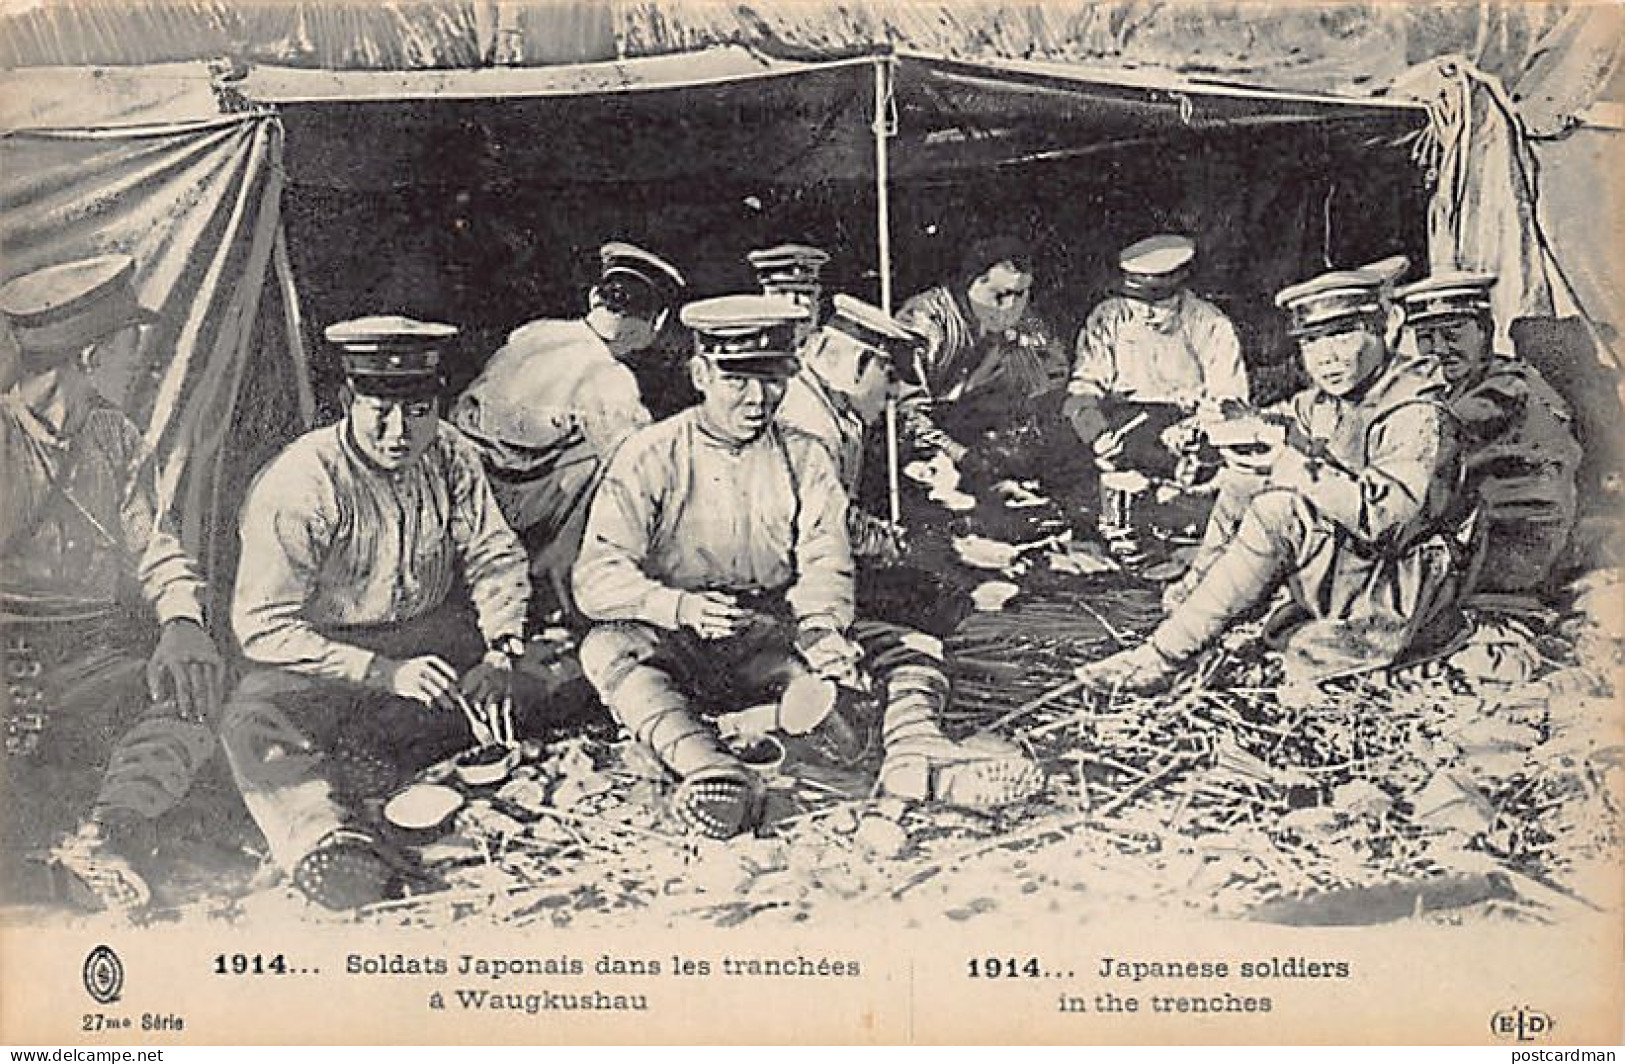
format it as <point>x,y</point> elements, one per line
<point>680,509</point>
<point>552,404</point>
<point>1120,355</point>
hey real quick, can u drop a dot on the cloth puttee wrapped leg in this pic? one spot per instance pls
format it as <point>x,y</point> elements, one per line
<point>1268,540</point>
<point>921,763</point>
<point>718,795</point>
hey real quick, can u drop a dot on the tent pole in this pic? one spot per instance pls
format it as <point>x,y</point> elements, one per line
<point>883,237</point>
<point>882,199</point>
<point>292,325</point>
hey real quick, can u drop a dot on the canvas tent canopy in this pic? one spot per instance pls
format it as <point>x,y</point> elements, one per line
<point>475,195</point>
<point>1554,55</point>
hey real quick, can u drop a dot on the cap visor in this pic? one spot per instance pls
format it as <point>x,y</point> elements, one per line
<point>1339,324</point>
<point>778,368</point>
<point>396,386</point>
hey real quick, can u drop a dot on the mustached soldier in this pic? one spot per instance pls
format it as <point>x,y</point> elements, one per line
<point>990,376</point>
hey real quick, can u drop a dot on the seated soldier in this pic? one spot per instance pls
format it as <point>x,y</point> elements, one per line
<point>850,369</point>
<point>717,565</point>
<point>1341,493</point>
<point>111,678</point>
<point>990,375</point>
<point>839,393</point>
<point>1147,359</point>
<point>1519,453</point>
<point>555,402</point>
<point>847,372</point>
<point>368,667</point>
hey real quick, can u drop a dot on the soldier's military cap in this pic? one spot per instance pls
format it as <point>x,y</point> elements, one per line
<point>874,329</point>
<point>1340,299</point>
<point>788,267</point>
<point>1388,270</point>
<point>391,356</point>
<point>622,261</point>
<point>1455,293</point>
<point>747,335</point>
<point>62,309</point>
<point>1156,267</point>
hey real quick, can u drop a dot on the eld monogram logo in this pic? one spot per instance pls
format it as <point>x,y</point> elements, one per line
<point>104,975</point>
<point>1522,1023</point>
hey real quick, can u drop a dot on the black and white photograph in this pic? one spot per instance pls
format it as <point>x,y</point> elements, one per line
<point>1057,521</point>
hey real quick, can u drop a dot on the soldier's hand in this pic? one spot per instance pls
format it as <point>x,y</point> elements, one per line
<point>488,683</point>
<point>893,545</point>
<point>711,614</point>
<point>1083,413</point>
<point>427,679</point>
<point>187,666</point>
<point>830,655</point>
<point>1184,435</point>
<point>1258,459</point>
<point>878,540</point>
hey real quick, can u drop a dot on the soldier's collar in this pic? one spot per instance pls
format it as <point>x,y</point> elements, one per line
<point>75,409</point>
<point>710,435</point>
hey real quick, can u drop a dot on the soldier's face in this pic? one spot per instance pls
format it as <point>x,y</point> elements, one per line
<point>393,433</point>
<point>874,386</point>
<point>738,407</point>
<point>999,297</point>
<point>1461,346</point>
<point>803,296</point>
<point>1338,363</point>
<point>1158,314</point>
<point>636,332</point>
<point>114,363</point>
<point>860,372</point>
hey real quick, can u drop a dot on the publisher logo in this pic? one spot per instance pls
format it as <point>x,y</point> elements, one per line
<point>104,975</point>
<point>1522,1023</point>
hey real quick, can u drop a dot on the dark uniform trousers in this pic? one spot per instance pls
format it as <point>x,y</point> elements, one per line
<point>81,729</point>
<point>658,682</point>
<point>313,755</point>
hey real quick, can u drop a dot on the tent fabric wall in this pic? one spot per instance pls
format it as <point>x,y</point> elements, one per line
<point>1579,63</point>
<point>88,97</point>
<point>721,113</point>
<point>197,206</point>
<point>1560,57</point>
<point>1582,209</point>
<point>1482,213</point>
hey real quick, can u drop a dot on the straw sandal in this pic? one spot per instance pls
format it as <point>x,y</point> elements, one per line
<point>105,879</point>
<point>350,868</point>
<point>981,773</point>
<point>721,801</point>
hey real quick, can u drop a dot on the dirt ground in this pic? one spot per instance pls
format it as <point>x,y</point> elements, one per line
<point>1482,786</point>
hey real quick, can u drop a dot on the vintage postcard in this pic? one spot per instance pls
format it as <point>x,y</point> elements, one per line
<point>668,521</point>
